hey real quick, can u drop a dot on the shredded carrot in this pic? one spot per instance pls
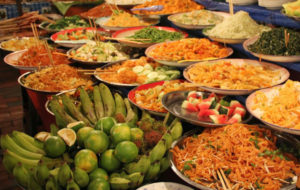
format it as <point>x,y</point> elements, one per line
<point>243,152</point>
<point>189,49</point>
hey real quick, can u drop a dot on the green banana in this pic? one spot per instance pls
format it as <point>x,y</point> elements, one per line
<point>169,119</point>
<point>33,183</point>
<point>120,113</point>
<point>12,146</point>
<point>99,110</point>
<point>168,140</point>
<point>21,174</point>
<point>141,166</point>
<point>71,185</point>
<point>158,151</point>
<point>109,104</point>
<point>30,139</point>
<point>51,162</point>
<point>153,171</point>
<point>51,184</point>
<point>87,106</point>
<point>26,162</point>
<point>26,144</point>
<point>81,177</point>
<point>61,116</point>
<point>42,173</point>
<point>131,117</point>
<point>64,174</point>
<point>176,130</point>
<point>73,110</point>
<point>135,179</point>
<point>9,162</point>
<point>119,183</point>
<point>164,164</point>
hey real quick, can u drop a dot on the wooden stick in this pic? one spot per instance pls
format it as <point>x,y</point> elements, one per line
<point>226,180</point>
<point>112,10</point>
<point>49,53</point>
<point>221,179</point>
<point>231,7</point>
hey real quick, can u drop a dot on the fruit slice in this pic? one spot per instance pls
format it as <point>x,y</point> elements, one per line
<point>75,125</point>
<point>189,106</point>
<point>218,119</point>
<point>207,112</point>
<point>236,118</point>
<point>226,111</point>
<point>68,135</point>
<point>42,136</point>
<point>203,105</point>
<point>240,111</point>
<point>234,104</point>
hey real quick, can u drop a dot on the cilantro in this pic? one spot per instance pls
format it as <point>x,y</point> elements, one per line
<point>258,186</point>
<point>255,142</point>
<point>253,165</point>
<point>228,171</point>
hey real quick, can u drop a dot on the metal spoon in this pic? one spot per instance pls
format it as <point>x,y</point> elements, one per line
<point>151,8</point>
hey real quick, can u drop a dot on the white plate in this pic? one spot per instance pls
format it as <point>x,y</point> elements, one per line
<point>101,22</point>
<point>131,31</point>
<point>272,4</point>
<point>284,76</point>
<point>164,186</point>
<point>223,40</point>
<point>190,26</point>
<point>176,63</point>
<point>275,58</point>
<point>250,104</point>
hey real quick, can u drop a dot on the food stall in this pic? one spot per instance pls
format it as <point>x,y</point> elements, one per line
<point>161,94</point>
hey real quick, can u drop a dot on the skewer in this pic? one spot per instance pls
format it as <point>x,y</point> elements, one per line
<point>221,179</point>
<point>226,180</point>
<point>112,10</point>
<point>49,53</point>
<point>286,37</point>
<point>231,7</point>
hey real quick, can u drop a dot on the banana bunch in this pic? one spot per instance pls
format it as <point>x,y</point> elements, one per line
<point>91,105</point>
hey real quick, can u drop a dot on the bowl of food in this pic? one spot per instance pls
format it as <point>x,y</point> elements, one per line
<point>235,76</point>
<point>278,45</point>
<point>148,96</point>
<point>206,109</point>
<point>143,37</point>
<point>198,19</point>
<point>187,51</point>
<point>18,44</point>
<point>54,79</point>
<point>277,107</point>
<point>215,158</point>
<point>122,20</point>
<point>93,53</point>
<point>235,29</point>
<point>134,72</point>
<point>36,57</point>
<point>77,37</point>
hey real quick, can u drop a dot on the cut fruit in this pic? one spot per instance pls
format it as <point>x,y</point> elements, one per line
<point>207,112</point>
<point>189,106</point>
<point>42,136</point>
<point>234,104</point>
<point>218,119</point>
<point>192,94</point>
<point>203,105</point>
<point>68,135</point>
<point>224,103</point>
<point>226,111</point>
<point>76,125</point>
<point>236,118</point>
<point>240,111</point>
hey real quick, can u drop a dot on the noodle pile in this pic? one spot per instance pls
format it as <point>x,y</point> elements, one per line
<point>243,152</point>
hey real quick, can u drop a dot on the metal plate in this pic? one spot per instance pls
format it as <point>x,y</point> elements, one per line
<point>173,101</point>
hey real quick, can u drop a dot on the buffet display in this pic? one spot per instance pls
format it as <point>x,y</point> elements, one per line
<point>119,94</point>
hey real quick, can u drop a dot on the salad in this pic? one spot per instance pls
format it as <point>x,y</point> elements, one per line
<point>80,34</point>
<point>68,23</point>
<point>99,52</point>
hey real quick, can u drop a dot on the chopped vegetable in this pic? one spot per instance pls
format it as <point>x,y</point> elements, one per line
<point>68,23</point>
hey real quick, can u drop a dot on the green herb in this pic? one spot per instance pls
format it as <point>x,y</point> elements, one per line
<point>227,172</point>
<point>255,140</point>
<point>273,43</point>
<point>195,136</point>
<point>253,165</point>
<point>155,35</point>
<point>68,22</point>
<point>273,154</point>
<point>258,186</point>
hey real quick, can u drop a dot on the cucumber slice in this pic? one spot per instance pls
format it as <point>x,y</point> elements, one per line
<point>152,75</point>
<point>148,67</point>
<point>138,69</point>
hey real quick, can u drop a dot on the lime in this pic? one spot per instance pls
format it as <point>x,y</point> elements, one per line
<point>108,161</point>
<point>126,151</point>
<point>82,135</point>
<point>75,125</point>
<point>99,184</point>
<point>96,141</point>
<point>81,177</point>
<point>54,146</point>
<point>68,135</point>
<point>105,124</point>
<point>86,160</point>
<point>120,132</point>
<point>98,173</point>
<point>136,134</point>
<point>42,136</point>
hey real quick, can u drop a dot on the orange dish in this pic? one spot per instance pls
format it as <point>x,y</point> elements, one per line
<point>189,49</point>
<point>37,56</point>
<point>170,6</point>
<point>247,154</point>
